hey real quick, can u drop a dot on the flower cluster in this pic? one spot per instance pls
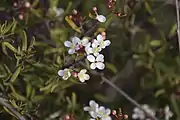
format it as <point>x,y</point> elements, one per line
<point>87,46</point>
<point>140,115</point>
<point>66,73</point>
<point>92,49</point>
<point>97,112</point>
<point>20,8</point>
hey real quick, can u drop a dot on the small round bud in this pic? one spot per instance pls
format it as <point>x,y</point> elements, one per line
<point>15,4</point>
<point>27,5</point>
<point>125,117</point>
<point>67,117</point>
<point>114,112</point>
<point>70,17</point>
<point>109,6</point>
<point>75,74</point>
<point>74,12</point>
<point>94,8</point>
<point>118,14</point>
<point>21,16</point>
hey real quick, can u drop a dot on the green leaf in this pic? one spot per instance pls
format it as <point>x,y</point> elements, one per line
<point>155,43</point>
<point>148,8</point>
<point>173,30</point>
<point>72,24</point>
<point>159,92</point>
<point>24,41</point>
<point>111,67</point>
<point>10,26</point>
<point>15,74</point>
<point>8,45</point>
<point>175,105</point>
<point>17,95</point>
<point>74,99</point>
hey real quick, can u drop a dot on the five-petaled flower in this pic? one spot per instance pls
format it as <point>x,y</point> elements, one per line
<point>65,74</point>
<point>97,112</point>
<point>104,113</point>
<point>101,42</point>
<point>83,76</point>
<point>74,45</point>
<point>93,48</point>
<point>96,62</point>
<point>92,108</point>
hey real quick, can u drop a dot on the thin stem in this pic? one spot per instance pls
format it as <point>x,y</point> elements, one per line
<point>11,109</point>
<point>119,90</point>
<point>178,24</point>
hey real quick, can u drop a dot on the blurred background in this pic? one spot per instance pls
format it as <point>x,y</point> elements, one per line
<point>143,58</point>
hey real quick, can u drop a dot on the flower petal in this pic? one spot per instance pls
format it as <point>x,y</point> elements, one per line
<point>93,104</point>
<point>75,40</point>
<point>107,42</point>
<point>67,43</point>
<point>101,18</point>
<point>83,71</point>
<point>61,73</point>
<point>95,43</point>
<point>71,51</point>
<point>100,65</point>
<point>108,111</point>
<point>99,37</point>
<point>106,118</point>
<point>65,77</point>
<point>135,116</point>
<point>101,109</point>
<point>87,108</point>
<point>81,79</point>
<point>93,66</point>
<point>100,58</point>
<point>85,42</point>
<point>91,58</point>
<point>88,50</point>
<point>93,114</point>
<point>86,77</point>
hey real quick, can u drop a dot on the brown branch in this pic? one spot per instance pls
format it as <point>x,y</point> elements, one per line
<point>5,103</point>
<point>120,91</point>
<point>178,23</point>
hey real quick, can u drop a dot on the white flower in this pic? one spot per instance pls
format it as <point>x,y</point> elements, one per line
<point>85,42</point>
<point>101,18</point>
<point>58,11</point>
<point>92,119</point>
<point>139,114</point>
<point>92,108</point>
<point>101,42</point>
<point>74,45</point>
<point>83,76</point>
<point>65,74</point>
<point>168,113</point>
<point>104,113</point>
<point>96,62</point>
<point>95,49</point>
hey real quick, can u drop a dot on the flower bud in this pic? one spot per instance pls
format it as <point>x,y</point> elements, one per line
<point>15,4</point>
<point>125,117</point>
<point>75,74</point>
<point>27,5</point>
<point>94,8</point>
<point>114,112</point>
<point>67,117</point>
<point>74,12</point>
<point>21,16</point>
